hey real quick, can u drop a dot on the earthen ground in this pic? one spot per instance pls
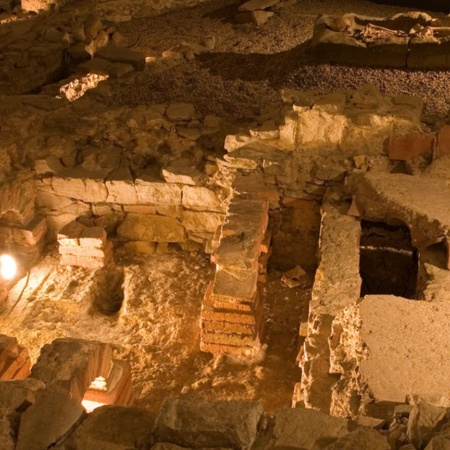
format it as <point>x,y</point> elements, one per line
<point>158,328</point>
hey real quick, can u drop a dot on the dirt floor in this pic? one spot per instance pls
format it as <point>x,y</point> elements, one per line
<point>250,65</point>
<point>157,326</point>
<point>159,297</point>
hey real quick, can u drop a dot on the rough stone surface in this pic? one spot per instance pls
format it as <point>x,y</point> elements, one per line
<point>137,227</point>
<point>307,429</point>
<point>423,204</point>
<point>425,421</point>
<point>49,418</point>
<point>361,439</point>
<point>337,284</point>
<point>197,423</point>
<point>112,428</point>
<point>372,346</point>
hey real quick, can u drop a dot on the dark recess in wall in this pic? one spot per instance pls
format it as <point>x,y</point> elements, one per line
<point>430,5</point>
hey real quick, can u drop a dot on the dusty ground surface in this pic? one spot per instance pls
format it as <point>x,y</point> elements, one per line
<point>249,65</point>
<point>157,325</point>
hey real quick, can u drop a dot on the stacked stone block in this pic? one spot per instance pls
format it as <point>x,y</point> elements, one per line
<point>84,246</point>
<point>14,360</point>
<point>71,366</point>
<point>22,230</point>
<point>232,313</point>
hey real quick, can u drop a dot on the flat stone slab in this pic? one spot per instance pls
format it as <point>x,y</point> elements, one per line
<point>307,429</point>
<point>423,204</point>
<point>388,348</point>
<point>193,422</point>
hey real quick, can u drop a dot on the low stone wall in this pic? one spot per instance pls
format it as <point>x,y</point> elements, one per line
<point>413,40</point>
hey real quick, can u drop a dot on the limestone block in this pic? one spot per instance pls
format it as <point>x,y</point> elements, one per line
<point>18,394</point>
<point>69,366</point>
<point>379,335</point>
<point>202,221</point>
<point>122,55</point>
<point>438,443</point>
<point>49,418</point>
<point>49,165</point>
<point>361,439</point>
<point>89,262</point>
<point>201,198</point>
<point>194,422</point>
<point>319,128</point>
<point>423,204</point>
<point>123,192</point>
<point>138,227</point>
<point>113,428</point>
<point>158,193</point>
<point>307,429</point>
<point>93,237</point>
<point>425,422</point>
<point>82,184</point>
<point>181,173</point>
<point>178,112</point>
<point>337,284</point>
<point>70,233</point>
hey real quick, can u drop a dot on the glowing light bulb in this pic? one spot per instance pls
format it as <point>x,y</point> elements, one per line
<point>8,267</point>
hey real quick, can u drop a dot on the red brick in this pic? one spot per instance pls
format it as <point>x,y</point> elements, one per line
<point>403,148</point>
<point>443,142</point>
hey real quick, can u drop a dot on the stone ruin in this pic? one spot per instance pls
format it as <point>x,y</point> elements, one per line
<point>92,178</point>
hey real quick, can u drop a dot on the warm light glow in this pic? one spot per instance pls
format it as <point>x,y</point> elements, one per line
<point>8,267</point>
<point>90,405</point>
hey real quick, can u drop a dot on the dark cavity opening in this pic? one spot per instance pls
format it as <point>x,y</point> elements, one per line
<point>388,261</point>
<point>107,291</point>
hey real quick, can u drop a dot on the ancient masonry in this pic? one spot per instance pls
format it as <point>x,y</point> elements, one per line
<point>145,177</point>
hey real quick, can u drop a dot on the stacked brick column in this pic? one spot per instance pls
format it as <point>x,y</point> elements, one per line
<point>232,313</point>
<point>84,246</point>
